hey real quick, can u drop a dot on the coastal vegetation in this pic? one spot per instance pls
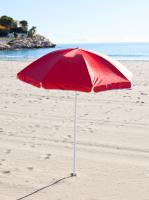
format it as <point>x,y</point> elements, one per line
<point>14,28</point>
<point>15,34</point>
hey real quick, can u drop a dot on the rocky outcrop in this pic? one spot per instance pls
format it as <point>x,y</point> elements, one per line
<point>4,46</point>
<point>37,41</point>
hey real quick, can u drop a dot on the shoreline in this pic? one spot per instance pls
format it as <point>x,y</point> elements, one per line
<point>117,51</point>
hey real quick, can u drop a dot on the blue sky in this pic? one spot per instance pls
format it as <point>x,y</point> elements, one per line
<point>68,21</point>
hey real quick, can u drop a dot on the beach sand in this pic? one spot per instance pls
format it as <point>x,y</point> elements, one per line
<point>36,134</point>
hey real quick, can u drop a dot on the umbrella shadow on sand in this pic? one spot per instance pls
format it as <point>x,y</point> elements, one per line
<point>45,187</point>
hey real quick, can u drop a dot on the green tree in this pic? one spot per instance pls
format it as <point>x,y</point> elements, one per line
<point>6,21</point>
<point>4,33</point>
<point>14,24</point>
<point>32,31</point>
<point>24,25</point>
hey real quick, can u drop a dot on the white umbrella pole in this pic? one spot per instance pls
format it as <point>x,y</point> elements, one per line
<point>74,142</point>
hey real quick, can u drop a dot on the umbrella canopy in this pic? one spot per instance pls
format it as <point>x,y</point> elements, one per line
<point>79,70</point>
<point>76,69</point>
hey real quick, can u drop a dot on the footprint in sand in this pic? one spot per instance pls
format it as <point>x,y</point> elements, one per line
<point>142,93</point>
<point>11,134</point>
<point>32,146</point>
<point>47,156</point>
<point>30,168</point>
<point>91,130</point>
<point>6,172</point>
<point>37,126</point>
<point>8,151</point>
<point>56,127</point>
<point>16,169</point>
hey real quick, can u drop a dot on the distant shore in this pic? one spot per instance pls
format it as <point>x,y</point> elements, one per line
<point>37,41</point>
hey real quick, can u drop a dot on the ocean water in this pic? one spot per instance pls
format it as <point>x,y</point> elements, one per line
<point>118,51</point>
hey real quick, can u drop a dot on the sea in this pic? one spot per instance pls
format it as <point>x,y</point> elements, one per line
<point>118,51</point>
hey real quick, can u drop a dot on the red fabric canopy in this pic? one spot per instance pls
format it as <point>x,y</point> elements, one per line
<point>76,69</point>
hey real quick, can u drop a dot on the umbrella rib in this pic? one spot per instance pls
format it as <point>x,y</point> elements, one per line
<point>124,71</point>
<point>88,69</point>
<point>56,62</point>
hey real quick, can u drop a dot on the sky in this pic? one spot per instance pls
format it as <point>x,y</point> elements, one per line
<point>83,21</point>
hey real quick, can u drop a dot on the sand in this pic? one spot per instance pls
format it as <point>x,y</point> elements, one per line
<point>36,134</point>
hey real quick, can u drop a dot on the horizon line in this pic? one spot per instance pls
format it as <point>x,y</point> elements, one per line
<point>102,42</point>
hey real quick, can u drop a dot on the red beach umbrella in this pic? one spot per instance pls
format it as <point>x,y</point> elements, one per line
<point>79,70</point>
